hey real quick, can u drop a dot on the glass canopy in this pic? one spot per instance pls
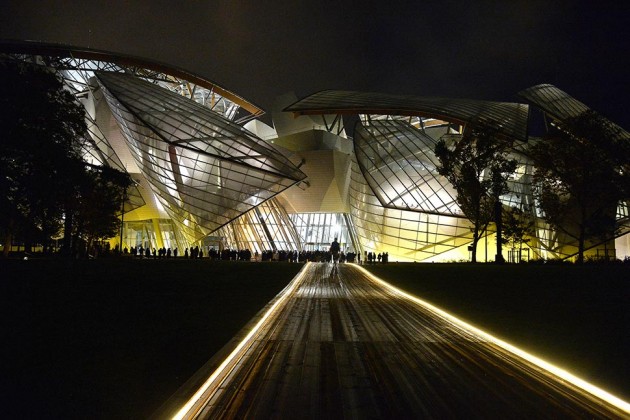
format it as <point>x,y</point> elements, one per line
<point>205,169</point>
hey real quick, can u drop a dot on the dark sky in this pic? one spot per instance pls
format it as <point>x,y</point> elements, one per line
<point>258,49</point>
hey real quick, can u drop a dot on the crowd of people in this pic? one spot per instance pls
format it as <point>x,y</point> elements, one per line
<point>373,258</point>
<point>246,255</point>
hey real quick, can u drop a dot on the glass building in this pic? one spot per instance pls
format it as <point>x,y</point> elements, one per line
<point>208,172</point>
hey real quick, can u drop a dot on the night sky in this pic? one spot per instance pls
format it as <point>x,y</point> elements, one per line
<point>481,50</point>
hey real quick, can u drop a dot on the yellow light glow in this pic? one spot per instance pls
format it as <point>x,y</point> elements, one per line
<point>561,373</point>
<point>227,365</point>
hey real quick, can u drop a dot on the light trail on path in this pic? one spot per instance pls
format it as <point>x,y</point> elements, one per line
<point>345,344</point>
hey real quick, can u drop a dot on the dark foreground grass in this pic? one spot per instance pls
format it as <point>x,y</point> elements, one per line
<point>116,338</point>
<point>577,317</point>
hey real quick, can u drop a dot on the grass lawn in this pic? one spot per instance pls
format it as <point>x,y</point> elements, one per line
<point>116,338</point>
<point>575,317</point>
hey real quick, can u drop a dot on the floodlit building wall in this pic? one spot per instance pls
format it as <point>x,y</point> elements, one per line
<point>405,235</point>
<point>622,247</point>
<point>198,172</point>
<point>142,225</point>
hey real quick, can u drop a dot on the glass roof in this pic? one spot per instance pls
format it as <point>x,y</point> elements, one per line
<point>77,64</point>
<point>205,169</point>
<point>510,119</point>
<point>399,164</point>
<point>553,101</point>
<point>559,105</point>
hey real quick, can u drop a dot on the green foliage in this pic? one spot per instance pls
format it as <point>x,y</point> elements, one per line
<point>42,133</point>
<point>516,226</point>
<point>478,168</point>
<point>43,179</point>
<point>99,198</point>
<point>581,175</point>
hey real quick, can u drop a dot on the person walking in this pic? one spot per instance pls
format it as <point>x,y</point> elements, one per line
<point>334,251</point>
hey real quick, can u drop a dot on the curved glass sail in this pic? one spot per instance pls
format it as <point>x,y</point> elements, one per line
<point>205,169</point>
<point>266,227</point>
<point>405,235</point>
<point>399,164</point>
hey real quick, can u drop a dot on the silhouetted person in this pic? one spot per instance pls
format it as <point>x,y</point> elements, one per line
<point>334,250</point>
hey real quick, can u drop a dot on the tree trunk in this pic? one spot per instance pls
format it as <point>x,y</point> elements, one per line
<point>580,258</point>
<point>89,243</point>
<point>498,220</point>
<point>45,233</point>
<point>28,241</point>
<point>582,235</point>
<point>67,234</point>
<point>8,239</point>
<point>473,257</point>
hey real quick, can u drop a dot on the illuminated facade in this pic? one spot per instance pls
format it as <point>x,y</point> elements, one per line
<point>401,205</point>
<point>208,172</point>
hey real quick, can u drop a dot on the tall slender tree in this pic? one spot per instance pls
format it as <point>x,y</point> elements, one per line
<point>582,172</point>
<point>478,168</point>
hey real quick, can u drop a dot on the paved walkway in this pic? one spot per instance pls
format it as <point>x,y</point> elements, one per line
<point>340,345</point>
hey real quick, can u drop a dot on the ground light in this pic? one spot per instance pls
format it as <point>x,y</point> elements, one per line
<point>195,404</point>
<point>189,410</point>
<point>542,364</point>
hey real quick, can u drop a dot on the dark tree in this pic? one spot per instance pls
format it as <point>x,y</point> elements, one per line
<point>42,131</point>
<point>517,226</point>
<point>97,205</point>
<point>44,183</point>
<point>582,173</point>
<point>478,168</point>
